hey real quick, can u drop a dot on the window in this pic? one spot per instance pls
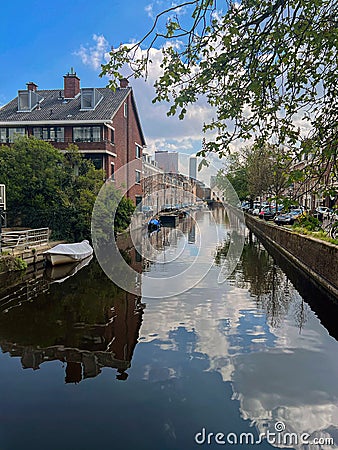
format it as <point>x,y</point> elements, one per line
<point>90,97</point>
<point>24,101</point>
<point>3,135</point>
<point>87,134</point>
<point>28,100</point>
<point>125,109</point>
<point>54,134</point>
<point>137,176</point>
<point>112,171</point>
<point>138,151</point>
<point>8,135</point>
<point>138,199</point>
<point>97,160</point>
<point>87,100</point>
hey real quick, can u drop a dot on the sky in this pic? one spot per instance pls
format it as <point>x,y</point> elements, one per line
<point>41,40</point>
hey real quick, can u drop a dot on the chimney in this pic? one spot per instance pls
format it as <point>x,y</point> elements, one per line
<point>71,84</point>
<point>124,83</point>
<point>32,86</point>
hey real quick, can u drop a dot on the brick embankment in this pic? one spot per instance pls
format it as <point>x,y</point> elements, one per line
<point>30,255</point>
<point>317,258</point>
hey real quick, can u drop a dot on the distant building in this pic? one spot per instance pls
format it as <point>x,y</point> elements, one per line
<point>165,188</point>
<point>193,167</point>
<point>203,192</point>
<point>173,162</point>
<point>105,125</point>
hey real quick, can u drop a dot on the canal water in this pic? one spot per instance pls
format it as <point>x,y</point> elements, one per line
<point>251,360</point>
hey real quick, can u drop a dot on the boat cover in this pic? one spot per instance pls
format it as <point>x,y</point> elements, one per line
<point>77,249</point>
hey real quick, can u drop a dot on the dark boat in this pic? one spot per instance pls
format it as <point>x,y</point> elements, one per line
<point>153,225</point>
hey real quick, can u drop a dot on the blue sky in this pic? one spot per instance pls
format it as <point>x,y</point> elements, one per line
<point>41,40</point>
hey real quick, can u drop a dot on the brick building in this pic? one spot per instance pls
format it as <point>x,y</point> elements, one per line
<point>105,125</point>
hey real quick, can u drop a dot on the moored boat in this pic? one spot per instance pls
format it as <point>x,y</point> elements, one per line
<point>154,224</point>
<point>68,253</point>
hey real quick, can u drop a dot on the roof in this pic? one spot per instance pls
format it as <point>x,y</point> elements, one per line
<point>57,110</point>
<point>52,109</point>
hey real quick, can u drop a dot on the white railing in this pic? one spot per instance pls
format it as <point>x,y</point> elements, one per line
<point>3,197</point>
<point>25,239</point>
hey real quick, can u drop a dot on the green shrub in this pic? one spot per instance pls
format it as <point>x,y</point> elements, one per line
<point>309,223</point>
<point>10,263</point>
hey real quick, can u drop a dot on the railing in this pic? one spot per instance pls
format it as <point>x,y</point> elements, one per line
<point>79,140</point>
<point>25,239</point>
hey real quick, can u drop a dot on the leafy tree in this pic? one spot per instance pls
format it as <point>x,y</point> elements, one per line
<point>124,212</point>
<point>262,65</point>
<point>258,171</point>
<point>32,171</point>
<point>268,171</point>
<point>46,188</point>
<point>236,174</point>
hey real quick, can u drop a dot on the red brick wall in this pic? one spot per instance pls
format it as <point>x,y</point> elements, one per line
<point>71,86</point>
<point>126,135</point>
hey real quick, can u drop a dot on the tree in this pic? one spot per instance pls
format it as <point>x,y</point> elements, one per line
<point>32,171</point>
<point>236,174</point>
<point>257,171</point>
<point>46,188</point>
<point>262,65</point>
<point>268,170</point>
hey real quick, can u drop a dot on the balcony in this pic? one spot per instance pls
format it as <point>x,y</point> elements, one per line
<point>83,144</point>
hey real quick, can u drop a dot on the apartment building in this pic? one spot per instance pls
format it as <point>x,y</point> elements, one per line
<point>105,125</point>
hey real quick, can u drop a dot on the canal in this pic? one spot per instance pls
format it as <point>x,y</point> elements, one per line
<point>248,359</point>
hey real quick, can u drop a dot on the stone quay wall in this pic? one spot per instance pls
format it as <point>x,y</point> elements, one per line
<point>317,258</point>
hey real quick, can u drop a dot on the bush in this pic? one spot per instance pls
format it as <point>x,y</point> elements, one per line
<point>10,263</point>
<point>309,223</point>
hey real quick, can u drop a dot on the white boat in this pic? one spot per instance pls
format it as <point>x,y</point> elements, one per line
<point>68,253</point>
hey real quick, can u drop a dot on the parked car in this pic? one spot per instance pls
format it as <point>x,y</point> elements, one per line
<point>178,206</point>
<point>284,219</point>
<point>245,206</point>
<point>323,209</point>
<point>256,211</point>
<point>323,212</point>
<point>298,213</point>
<point>267,213</point>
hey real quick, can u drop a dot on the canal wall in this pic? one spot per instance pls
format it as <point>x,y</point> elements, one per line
<point>317,258</point>
<point>10,259</point>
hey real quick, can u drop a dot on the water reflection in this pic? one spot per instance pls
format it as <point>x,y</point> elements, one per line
<point>258,333</point>
<point>259,274</point>
<point>86,324</point>
<point>236,356</point>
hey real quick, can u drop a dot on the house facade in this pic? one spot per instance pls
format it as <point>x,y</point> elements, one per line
<point>105,125</point>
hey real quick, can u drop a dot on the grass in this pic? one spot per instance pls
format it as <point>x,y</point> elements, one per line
<point>317,234</point>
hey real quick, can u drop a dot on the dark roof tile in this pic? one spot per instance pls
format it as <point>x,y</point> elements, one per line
<point>54,109</point>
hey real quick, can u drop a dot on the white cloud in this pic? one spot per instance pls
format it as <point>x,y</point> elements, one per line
<point>149,10</point>
<point>161,132</point>
<point>93,55</point>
